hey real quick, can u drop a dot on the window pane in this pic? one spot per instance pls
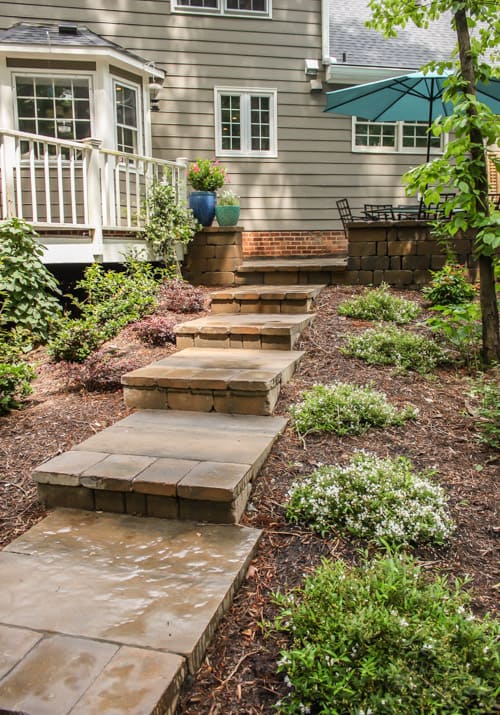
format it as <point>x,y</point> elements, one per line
<point>126,118</point>
<point>230,122</point>
<point>375,134</point>
<point>259,123</point>
<point>247,5</point>
<point>198,3</point>
<point>414,136</point>
<point>53,98</point>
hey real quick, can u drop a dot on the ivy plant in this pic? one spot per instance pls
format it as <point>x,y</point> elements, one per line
<point>28,290</point>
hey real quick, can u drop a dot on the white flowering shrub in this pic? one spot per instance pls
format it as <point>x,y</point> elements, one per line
<point>385,639</point>
<point>380,499</point>
<point>345,409</point>
<point>393,346</point>
<point>380,304</point>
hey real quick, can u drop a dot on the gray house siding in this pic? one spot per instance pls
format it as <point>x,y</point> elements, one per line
<point>297,190</point>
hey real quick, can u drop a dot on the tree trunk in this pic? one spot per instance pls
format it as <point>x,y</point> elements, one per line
<point>488,300</point>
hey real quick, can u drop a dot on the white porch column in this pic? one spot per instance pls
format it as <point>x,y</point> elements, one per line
<point>94,196</point>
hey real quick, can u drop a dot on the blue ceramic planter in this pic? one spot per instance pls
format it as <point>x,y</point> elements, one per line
<point>202,204</point>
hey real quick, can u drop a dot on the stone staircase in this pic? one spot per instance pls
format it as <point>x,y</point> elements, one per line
<point>105,611</point>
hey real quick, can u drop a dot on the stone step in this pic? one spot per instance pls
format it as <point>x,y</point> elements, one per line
<point>266,299</point>
<point>289,271</point>
<point>106,613</point>
<point>212,380</point>
<point>274,331</point>
<point>163,463</point>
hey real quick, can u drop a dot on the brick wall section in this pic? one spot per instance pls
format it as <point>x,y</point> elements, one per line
<point>294,243</point>
<point>213,256</point>
<point>398,254</point>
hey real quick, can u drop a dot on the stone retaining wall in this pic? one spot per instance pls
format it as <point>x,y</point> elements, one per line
<point>400,254</point>
<point>213,256</point>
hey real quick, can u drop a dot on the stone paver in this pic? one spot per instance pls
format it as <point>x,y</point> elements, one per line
<point>164,464</point>
<point>119,580</point>
<point>271,331</point>
<point>208,379</point>
<point>265,299</point>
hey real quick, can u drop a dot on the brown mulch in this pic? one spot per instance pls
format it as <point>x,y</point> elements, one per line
<point>238,674</point>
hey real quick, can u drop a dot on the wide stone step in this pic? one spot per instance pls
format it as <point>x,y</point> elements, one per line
<point>248,331</point>
<point>163,463</point>
<point>212,379</point>
<point>105,613</point>
<point>289,271</point>
<point>266,299</point>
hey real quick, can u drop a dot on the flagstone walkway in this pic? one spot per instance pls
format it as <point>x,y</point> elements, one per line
<point>103,611</point>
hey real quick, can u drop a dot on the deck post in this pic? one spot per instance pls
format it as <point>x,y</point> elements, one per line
<point>8,188</point>
<point>94,207</point>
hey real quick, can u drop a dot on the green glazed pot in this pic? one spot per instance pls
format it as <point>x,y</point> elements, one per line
<point>227,215</point>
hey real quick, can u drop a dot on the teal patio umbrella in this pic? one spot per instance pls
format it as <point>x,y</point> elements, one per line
<point>414,97</point>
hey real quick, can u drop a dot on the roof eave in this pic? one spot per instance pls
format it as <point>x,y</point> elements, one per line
<point>98,52</point>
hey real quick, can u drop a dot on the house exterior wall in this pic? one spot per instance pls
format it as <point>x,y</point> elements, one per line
<point>291,195</point>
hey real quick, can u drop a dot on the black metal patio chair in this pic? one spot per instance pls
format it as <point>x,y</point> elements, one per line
<point>346,215</point>
<point>379,212</point>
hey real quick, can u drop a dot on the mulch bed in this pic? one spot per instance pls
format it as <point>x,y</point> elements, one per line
<point>239,672</point>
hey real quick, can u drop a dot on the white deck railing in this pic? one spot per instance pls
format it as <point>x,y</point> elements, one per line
<point>72,185</point>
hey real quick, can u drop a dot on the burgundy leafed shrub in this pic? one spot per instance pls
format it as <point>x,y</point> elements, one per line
<point>181,297</point>
<point>102,371</point>
<point>155,330</point>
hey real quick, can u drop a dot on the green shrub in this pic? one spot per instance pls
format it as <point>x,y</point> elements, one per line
<point>488,412</point>
<point>75,339</point>
<point>392,346</point>
<point>384,638</point>
<point>380,304</point>
<point>379,499</point>
<point>27,288</point>
<point>168,223</point>
<point>15,374</point>
<point>449,286</point>
<point>113,299</point>
<point>460,326</point>
<point>344,408</point>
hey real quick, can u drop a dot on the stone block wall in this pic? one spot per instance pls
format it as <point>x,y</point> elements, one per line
<point>400,254</point>
<point>213,256</point>
<point>293,243</point>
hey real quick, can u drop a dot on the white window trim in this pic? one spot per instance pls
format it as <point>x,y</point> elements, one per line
<point>222,9</point>
<point>140,133</point>
<point>54,74</point>
<point>246,92</point>
<point>398,148</point>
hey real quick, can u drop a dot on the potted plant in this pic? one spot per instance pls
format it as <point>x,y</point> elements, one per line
<point>227,209</point>
<point>205,176</point>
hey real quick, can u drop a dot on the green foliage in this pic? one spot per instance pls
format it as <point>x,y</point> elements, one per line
<point>392,346</point>
<point>344,408</point>
<point>383,500</point>
<point>206,175</point>
<point>75,339</point>
<point>113,299</point>
<point>460,326</point>
<point>385,638</point>
<point>227,198</point>
<point>380,304</point>
<point>488,412</point>
<point>168,223</point>
<point>15,374</point>
<point>449,286</point>
<point>27,288</point>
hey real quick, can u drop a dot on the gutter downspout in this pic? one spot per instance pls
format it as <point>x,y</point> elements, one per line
<point>325,31</point>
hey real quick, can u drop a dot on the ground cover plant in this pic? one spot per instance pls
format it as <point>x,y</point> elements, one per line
<point>380,304</point>
<point>380,499</point>
<point>449,286</point>
<point>389,345</point>
<point>383,637</point>
<point>15,374</point>
<point>345,408</point>
<point>459,327</point>
<point>487,392</point>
